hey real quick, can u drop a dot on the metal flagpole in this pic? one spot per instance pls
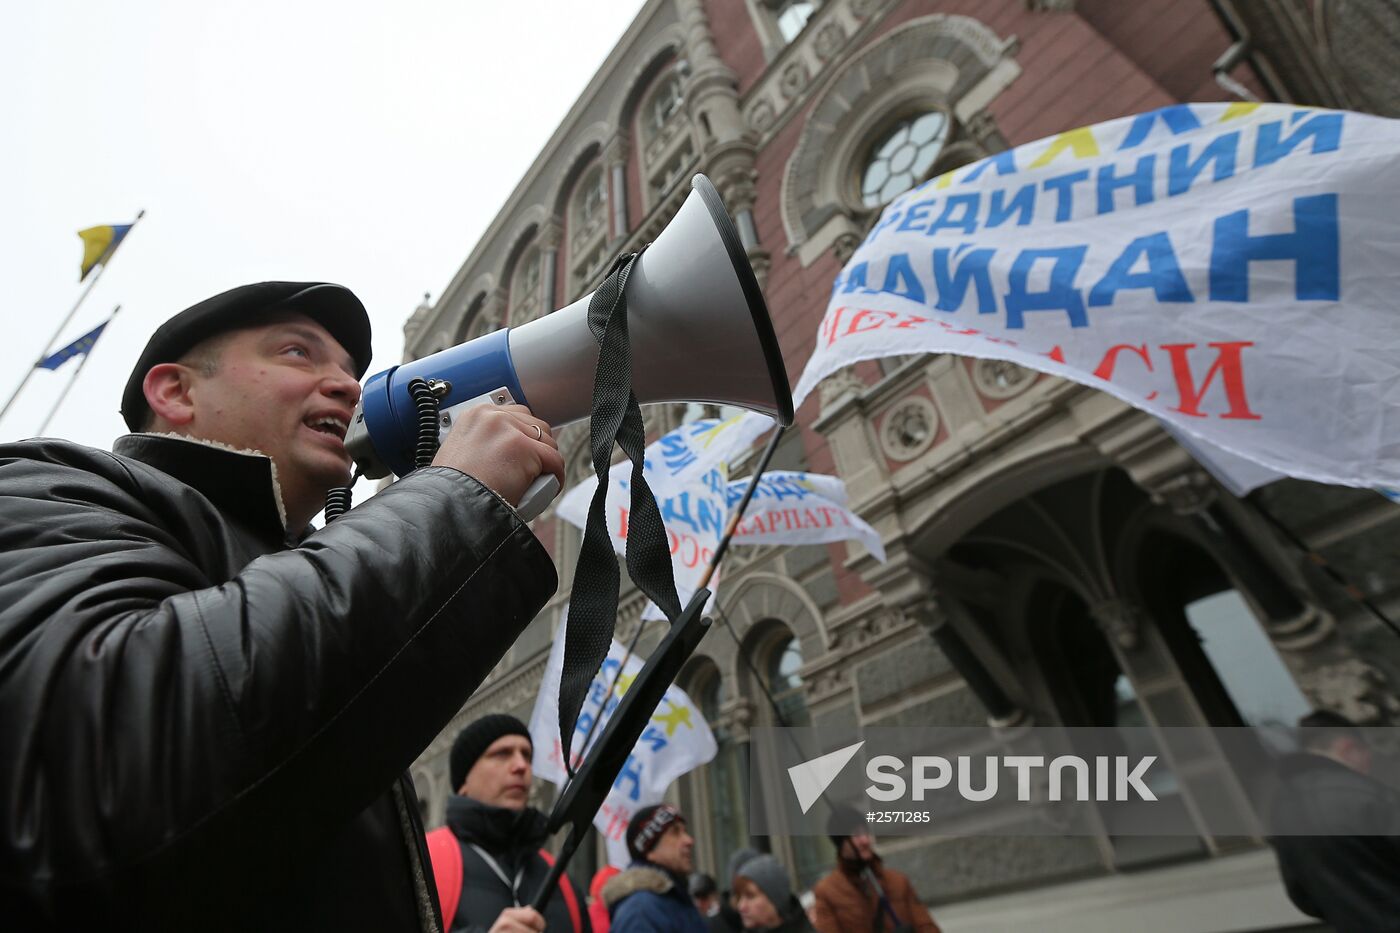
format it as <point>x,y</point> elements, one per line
<point>81,363</point>
<point>720,550</point>
<point>102,267</point>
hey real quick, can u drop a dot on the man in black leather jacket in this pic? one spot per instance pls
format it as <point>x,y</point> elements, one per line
<point>206,707</point>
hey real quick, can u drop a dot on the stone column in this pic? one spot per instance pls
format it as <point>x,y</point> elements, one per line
<point>551,234</point>
<point>1002,711</point>
<point>712,98</point>
<point>615,158</point>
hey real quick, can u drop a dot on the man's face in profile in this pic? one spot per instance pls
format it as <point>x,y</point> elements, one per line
<point>286,388</point>
<point>501,776</point>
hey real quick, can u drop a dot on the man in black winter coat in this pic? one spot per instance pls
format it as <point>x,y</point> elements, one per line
<point>1349,877</point>
<point>498,837</point>
<point>206,705</point>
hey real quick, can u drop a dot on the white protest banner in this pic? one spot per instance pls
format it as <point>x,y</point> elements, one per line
<point>690,451</point>
<point>694,516</point>
<point>800,508</point>
<point>676,740</point>
<point>1230,268</point>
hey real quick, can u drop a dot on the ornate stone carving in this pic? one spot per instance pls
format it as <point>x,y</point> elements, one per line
<point>845,247</point>
<point>909,428</point>
<point>1185,493</point>
<point>829,40</point>
<point>762,115</point>
<point>862,9</point>
<point>414,325</point>
<point>1120,621</point>
<point>762,262</point>
<point>838,385</point>
<point>1000,379</point>
<point>982,127</point>
<point>1357,690</point>
<point>794,79</point>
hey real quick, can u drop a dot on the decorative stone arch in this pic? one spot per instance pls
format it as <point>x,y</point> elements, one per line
<point>945,62</point>
<point>657,56</point>
<point>588,149</point>
<point>761,598</point>
<point>1002,480</point>
<point>698,669</point>
<point>473,310</point>
<point>527,232</point>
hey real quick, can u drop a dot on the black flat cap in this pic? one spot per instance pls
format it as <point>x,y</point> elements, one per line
<point>334,307</point>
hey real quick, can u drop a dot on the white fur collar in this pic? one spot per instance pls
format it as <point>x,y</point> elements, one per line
<point>229,448</point>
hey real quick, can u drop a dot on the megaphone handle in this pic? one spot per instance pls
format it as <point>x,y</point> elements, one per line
<point>540,494</point>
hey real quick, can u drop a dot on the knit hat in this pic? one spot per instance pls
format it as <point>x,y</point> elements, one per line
<point>647,825</point>
<point>772,879</point>
<point>845,821</point>
<point>473,741</point>
<point>736,862</point>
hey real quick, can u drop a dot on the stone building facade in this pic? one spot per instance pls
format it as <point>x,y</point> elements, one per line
<point>1075,561</point>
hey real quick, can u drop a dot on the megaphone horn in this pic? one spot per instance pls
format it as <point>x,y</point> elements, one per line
<point>698,327</point>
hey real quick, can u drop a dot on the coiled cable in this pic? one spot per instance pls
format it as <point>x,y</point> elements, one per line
<point>426,403</point>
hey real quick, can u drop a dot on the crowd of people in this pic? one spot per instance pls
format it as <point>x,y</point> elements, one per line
<point>488,864</point>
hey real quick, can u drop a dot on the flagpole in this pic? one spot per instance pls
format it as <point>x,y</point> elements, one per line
<point>81,363</point>
<point>764,459</point>
<point>48,348</point>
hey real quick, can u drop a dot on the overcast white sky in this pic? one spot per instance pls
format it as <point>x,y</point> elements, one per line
<point>365,143</point>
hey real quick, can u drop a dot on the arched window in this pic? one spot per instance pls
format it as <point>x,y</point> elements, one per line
<point>902,157</point>
<point>666,143</point>
<point>525,287</point>
<point>715,794</point>
<point>809,856</point>
<point>664,102</point>
<point>588,227</point>
<point>784,681</point>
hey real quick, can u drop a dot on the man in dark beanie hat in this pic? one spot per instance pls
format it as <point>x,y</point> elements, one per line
<point>209,704</point>
<point>861,893</point>
<point>487,860</point>
<point>653,894</point>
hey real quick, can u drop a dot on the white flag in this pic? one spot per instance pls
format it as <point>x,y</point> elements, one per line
<point>694,516</point>
<point>1230,268</point>
<point>676,740</point>
<point>800,508</point>
<point>692,450</point>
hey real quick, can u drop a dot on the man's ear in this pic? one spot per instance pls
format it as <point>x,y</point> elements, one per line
<point>167,389</point>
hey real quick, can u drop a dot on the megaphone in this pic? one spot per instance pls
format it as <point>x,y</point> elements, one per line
<point>698,327</point>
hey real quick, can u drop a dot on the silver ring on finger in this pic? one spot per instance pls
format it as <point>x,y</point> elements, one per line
<point>539,434</point>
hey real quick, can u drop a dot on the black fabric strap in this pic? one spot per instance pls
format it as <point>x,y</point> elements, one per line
<point>617,418</point>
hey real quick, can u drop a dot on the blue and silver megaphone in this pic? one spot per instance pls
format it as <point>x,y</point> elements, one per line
<point>699,332</point>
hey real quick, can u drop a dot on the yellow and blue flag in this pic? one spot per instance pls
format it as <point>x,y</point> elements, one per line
<point>78,347</point>
<point>99,243</point>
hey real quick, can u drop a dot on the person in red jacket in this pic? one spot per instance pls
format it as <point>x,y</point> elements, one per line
<point>597,908</point>
<point>487,861</point>
<point>862,894</point>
